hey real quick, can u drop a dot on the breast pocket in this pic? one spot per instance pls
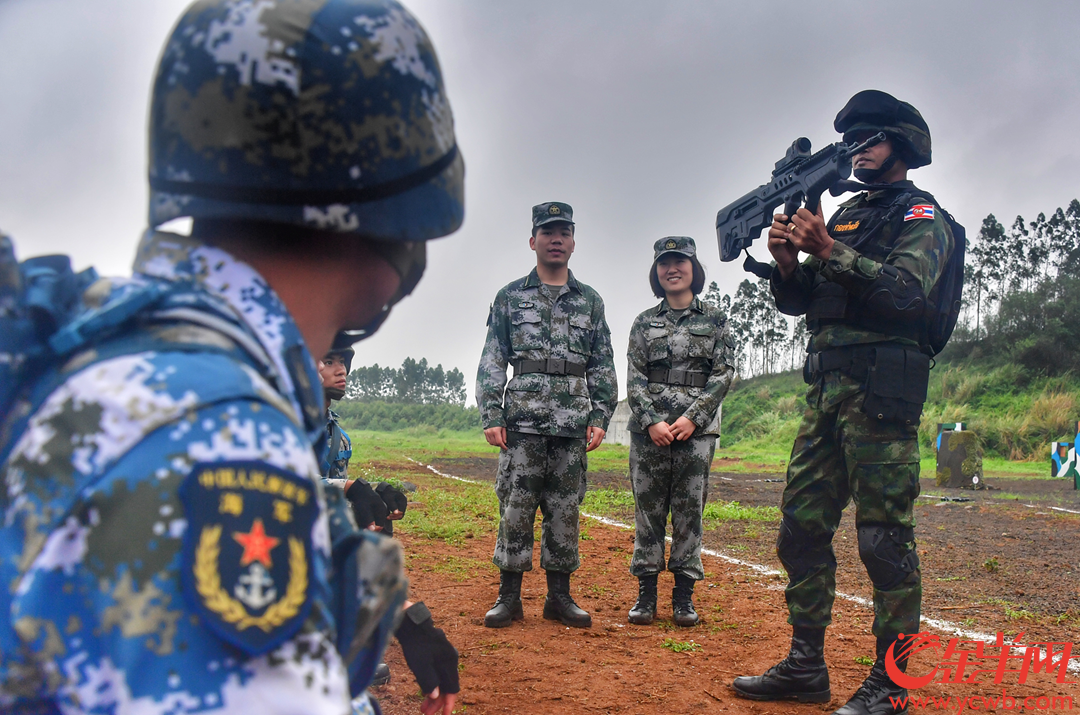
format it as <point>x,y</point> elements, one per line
<point>525,330</point>
<point>658,344</point>
<point>702,341</point>
<point>580,334</point>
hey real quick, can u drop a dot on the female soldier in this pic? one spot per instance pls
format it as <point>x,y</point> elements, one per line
<point>679,371</point>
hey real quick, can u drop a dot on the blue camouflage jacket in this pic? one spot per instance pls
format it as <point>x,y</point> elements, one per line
<point>335,463</point>
<point>167,545</point>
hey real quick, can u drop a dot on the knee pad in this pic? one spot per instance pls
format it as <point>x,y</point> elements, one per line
<point>799,551</point>
<point>883,550</point>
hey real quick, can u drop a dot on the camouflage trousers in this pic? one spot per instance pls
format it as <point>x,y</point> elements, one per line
<point>842,455</point>
<point>675,480</point>
<point>545,472</point>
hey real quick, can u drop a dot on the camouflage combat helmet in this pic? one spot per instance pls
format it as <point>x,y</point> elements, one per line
<point>874,111</point>
<point>329,114</point>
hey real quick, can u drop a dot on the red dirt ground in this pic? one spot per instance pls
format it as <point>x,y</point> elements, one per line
<point>539,666</point>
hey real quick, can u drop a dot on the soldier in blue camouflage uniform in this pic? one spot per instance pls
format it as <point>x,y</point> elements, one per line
<point>678,371</point>
<point>374,508</point>
<point>167,544</point>
<point>551,328</point>
<point>865,288</point>
<point>333,372</point>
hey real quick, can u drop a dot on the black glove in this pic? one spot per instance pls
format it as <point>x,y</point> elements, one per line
<point>395,501</point>
<point>430,656</point>
<point>394,498</point>
<point>366,505</point>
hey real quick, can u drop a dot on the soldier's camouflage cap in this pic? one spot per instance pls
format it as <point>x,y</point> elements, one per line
<point>675,244</point>
<point>872,110</point>
<point>330,114</point>
<point>552,211</point>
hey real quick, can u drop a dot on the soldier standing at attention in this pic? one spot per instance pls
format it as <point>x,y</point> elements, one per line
<point>551,328</point>
<point>167,544</point>
<point>679,369</point>
<point>867,289</point>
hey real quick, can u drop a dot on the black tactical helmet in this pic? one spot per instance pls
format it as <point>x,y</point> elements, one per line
<point>874,111</point>
<point>346,354</point>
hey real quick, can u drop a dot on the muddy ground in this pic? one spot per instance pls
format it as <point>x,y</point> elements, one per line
<point>1004,561</point>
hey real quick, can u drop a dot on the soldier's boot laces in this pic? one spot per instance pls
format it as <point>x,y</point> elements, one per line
<point>878,692</point>
<point>682,602</point>
<point>559,606</point>
<point>507,607</point>
<point>644,611</point>
<point>801,676</point>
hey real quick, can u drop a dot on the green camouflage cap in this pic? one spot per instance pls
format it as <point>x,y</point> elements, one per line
<point>675,244</point>
<point>552,211</point>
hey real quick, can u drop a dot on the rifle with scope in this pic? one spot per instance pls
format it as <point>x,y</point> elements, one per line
<point>797,178</point>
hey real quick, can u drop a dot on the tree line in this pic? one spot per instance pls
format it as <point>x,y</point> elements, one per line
<point>414,383</point>
<point>1021,301</point>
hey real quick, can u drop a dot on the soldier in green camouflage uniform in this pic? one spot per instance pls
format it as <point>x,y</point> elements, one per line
<point>552,329</point>
<point>872,270</point>
<point>678,371</point>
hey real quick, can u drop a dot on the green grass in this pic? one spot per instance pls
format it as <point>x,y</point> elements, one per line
<point>452,516</point>
<point>733,511</point>
<point>863,660</point>
<point>680,646</point>
<point>608,502</point>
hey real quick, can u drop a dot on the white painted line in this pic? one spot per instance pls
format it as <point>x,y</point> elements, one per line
<point>947,627</point>
<point>1057,508</point>
<point>441,474</point>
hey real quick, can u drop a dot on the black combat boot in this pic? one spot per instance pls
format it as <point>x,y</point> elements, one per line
<point>644,611</point>
<point>878,692</point>
<point>682,602</point>
<point>558,606</point>
<point>801,676</point>
<point>507,607</point>
<point>382,675</point>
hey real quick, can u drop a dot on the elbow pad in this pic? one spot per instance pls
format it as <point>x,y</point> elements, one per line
<point>895,295</point>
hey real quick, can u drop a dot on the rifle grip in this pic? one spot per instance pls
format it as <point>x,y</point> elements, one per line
<point>812,203</point>
<point>792,205</point>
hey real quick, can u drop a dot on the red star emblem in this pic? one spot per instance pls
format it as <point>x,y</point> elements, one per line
<point>257,545</point>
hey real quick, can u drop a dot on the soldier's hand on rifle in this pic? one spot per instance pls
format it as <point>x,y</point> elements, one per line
<point>593,436</point>
<point>807,232</point>
<point>683,429</point>
<point>660,434</point>
<point>496,436</point>
<point>782,249</point>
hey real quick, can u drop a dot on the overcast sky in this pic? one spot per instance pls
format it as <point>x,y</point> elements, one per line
<point>647,117</point>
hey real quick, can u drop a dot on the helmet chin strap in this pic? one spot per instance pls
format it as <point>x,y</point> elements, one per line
<point>870,176</point>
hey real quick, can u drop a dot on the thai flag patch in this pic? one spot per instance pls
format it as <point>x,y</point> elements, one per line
<point>920,211</point>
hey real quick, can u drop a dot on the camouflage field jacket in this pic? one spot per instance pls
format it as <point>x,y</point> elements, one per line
<point>695,342</point>
<point>524,324</point>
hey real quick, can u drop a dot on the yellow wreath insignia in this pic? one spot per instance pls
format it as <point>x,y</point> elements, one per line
<point>217,599</point>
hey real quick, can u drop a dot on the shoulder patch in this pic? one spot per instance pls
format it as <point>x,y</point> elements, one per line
<point>247,558</point>
<point>920,211</point>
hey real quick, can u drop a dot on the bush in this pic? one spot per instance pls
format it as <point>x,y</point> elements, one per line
<point>394,416</point>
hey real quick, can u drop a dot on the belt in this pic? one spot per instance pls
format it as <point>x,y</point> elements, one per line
<point>551,366</point>
<point>679,377</point>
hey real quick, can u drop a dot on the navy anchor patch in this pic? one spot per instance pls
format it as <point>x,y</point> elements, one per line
<point>247,558</point>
